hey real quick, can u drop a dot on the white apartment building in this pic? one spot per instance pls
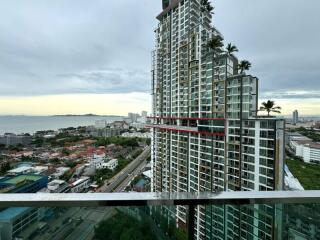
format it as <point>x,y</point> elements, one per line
<point>80,185</point>
<point>57,186</point>
<point>306,149</point>
<point>111,164</point>
<point>60,171</point>
<point>100,162</point>
<point>206,135</point>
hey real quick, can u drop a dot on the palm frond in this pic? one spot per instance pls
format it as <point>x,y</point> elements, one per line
<point>270,106</point>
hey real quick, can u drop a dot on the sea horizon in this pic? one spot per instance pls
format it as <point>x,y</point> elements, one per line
<point>21,124</point>
<point>60,115</point>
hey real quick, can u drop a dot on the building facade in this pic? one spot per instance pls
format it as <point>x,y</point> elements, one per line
<point>80,185</point>
<point>14,220</point>
<point>206,135</point>
<point>308,150</point>
<point>13,139</point>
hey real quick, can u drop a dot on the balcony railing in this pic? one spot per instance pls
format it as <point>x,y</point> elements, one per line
<point>162,212</point>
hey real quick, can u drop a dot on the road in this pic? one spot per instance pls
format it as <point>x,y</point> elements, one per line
<point>78,223</point>
<point>122,186</point>
<point>126,173</point>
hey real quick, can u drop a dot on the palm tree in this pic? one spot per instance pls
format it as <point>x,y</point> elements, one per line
<point>231,48</point>
<point>210,8</point>
<point>244,65</point>
<point>206,5</point>
<point>215,43</point>
<point>270,106</point>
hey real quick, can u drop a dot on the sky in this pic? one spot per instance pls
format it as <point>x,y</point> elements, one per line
<point>58,57</point>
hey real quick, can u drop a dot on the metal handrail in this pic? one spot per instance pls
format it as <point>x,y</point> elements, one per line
<point>156,199</point>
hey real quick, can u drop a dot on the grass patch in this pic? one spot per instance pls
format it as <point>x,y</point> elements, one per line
<point>308,174</point>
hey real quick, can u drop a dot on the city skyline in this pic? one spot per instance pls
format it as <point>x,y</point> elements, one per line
<point>89,69</point>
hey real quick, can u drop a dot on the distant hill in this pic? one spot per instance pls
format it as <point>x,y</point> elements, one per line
<point>85,115</point>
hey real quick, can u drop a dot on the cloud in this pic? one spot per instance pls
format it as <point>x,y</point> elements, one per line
<point>280,38</point>
<point>58,47</point>
<point>291,95</point>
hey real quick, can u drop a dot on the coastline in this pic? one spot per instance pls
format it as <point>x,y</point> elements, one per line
<point>30,124</point>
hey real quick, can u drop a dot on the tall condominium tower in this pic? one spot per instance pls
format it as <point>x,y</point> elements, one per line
<point>295,117</point>
<point>206,135</point>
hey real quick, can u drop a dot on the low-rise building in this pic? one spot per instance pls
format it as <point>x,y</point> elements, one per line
<point>111,164</point>
<point>58,186</point>
<point>38,170</point>
<point>120,125</point>
<point>80,185</point>
<point>20,170</point>
<point>99,124</point>
<point>30,183</point>
<point>291,136</point>
<point>13,139</point>
<point>306,149</point>
<point>60,171</point>
<point>136,135</point>
<point>103,132</point>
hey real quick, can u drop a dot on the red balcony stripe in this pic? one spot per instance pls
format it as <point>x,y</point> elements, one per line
<point>181,118</point>
<point>187,131</point>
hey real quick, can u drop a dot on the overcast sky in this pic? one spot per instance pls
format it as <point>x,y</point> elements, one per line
<point>69,51</point>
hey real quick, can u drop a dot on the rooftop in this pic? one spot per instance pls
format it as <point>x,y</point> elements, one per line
<point>308,143</point>
<point>21,178</point>
<point>81,180</point>
<point>20,169</point>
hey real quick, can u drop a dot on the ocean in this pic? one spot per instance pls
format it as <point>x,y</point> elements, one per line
<point>31,124</point>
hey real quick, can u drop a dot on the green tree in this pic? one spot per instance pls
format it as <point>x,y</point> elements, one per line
<point>65,152</point>
<point>269,107</point>
<point>215,44</point>
<point>122,141</point>
<point>5,168</point>
<point>244,65</point>
<point>124,227</point>
<point>206,6</point>
<point>231,48</point>
<point>38,141</point>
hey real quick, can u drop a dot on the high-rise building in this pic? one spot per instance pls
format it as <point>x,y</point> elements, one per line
<point>133,117</point>
<point>206,135</point>
<point>295,117</point>
<point>144,114</point>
